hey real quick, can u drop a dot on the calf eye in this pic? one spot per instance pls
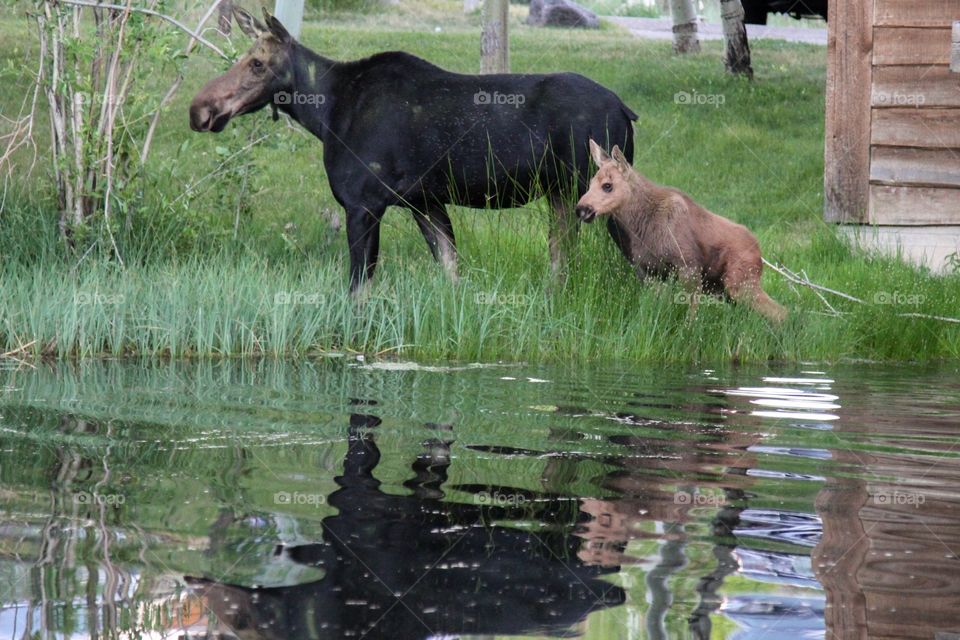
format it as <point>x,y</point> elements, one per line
<point>256,64</point>
<point>607,187</point>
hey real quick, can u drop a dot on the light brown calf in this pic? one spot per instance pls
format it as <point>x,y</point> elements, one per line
<point>663,233</point>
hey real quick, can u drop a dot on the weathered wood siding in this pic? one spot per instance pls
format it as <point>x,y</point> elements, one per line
<point>893,157</point>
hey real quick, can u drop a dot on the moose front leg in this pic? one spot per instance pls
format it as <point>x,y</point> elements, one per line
<point>564,233</point>
<point>363,236</point>
<point>692,284</point>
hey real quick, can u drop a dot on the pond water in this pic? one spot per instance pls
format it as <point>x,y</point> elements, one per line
<point>344,499</point>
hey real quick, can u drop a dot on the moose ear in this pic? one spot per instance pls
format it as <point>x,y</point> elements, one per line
<point>276,28</point>
<point>597,153</point>
<point>618,156</point>
<point>248,24</point>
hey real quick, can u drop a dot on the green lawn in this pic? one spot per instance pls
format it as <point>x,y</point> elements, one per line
<point>207,274</point>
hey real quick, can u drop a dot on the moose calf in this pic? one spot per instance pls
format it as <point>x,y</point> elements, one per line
<point>663,232</point>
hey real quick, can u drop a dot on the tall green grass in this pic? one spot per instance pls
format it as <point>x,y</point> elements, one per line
<point>234,255</point>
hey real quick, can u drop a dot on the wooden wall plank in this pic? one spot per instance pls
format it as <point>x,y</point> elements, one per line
<point>849,84</point>
<point>908,45</point>
<point>915,85</point>
<point>918,167</point>
<point>916,13</point>
<point>932,128</point>
<point>914,205</point>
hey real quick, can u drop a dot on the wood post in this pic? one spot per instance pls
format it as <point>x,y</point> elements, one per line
<point>955,48</point>
<point>290,13</point>
<point>494,43</point>
<point>846,180</point>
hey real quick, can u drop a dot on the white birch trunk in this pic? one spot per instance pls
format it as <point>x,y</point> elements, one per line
<point>737,57</point>
<point>685,38</point>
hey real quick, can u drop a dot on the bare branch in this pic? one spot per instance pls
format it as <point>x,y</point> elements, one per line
<point>151,12</point>
<point>802,280</point>
<point>929,317</point>
<point>805,282</point>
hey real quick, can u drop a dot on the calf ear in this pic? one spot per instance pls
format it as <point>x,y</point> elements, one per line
<point>276,28</point>
<point>248,24</point>
<point>619,158</point>
<point>597,153</point>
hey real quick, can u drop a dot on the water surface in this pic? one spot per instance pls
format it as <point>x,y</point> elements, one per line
<point>344,499</point>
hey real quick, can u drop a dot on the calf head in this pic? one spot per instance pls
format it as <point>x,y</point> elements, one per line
<point>610,187</point>
<point>253,82</point>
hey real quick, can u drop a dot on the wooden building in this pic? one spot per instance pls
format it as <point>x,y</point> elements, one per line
<point>892,156</point>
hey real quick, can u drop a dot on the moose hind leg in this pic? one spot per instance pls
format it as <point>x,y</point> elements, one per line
<point>437,230</point>
<point>743,287</point>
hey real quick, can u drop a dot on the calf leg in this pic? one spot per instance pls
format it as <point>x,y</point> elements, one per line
<point>742,284</point>
<point>363,237</point>
<point>437,230</point>
<point>690,280</point>
<point>564,233</point>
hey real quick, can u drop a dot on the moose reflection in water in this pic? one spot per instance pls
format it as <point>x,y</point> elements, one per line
<point>414,566</point>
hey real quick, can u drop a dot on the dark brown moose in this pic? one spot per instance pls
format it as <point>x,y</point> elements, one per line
<point>399,131</point>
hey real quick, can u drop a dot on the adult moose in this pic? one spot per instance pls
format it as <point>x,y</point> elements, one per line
<point>397,130</point>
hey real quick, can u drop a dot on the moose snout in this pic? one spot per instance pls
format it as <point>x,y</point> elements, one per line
<point>201,115</point>
<point>207,117</point>
<point>586,213</point>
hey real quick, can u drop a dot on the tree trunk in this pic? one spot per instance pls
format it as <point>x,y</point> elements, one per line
<point>494,45</point>
<point>685,38</point>
<point>737,58</point>
<point>225,16</point>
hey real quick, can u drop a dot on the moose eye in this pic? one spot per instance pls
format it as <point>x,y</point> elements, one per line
<point>607,187</point>
<point>256,64</point>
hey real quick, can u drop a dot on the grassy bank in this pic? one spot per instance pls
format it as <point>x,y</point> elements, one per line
<point>245,261</point>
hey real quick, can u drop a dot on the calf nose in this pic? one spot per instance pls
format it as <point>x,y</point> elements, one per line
<point>586,213</point>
